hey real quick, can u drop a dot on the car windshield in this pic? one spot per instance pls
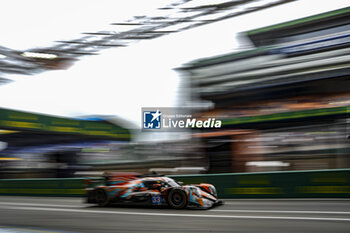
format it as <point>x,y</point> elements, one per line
<point>173,183</point>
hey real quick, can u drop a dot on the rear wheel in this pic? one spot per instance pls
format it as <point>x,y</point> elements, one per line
<point>102,197</point>
<point>177,199</point>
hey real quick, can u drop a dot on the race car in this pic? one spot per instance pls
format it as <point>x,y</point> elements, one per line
<point>152,190</point>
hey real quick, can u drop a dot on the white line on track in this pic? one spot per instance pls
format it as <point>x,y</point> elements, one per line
<point>39,204</point>
<point>285,199</point>
<point>283,211</point>
<point>267,202</point>
<point>173,215</point>
<point>212,210</point>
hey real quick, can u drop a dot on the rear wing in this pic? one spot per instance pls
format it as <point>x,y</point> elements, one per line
<point>111,178</point>
<point>92,182</point>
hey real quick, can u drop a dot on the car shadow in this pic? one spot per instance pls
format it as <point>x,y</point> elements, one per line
<point>128,206</point>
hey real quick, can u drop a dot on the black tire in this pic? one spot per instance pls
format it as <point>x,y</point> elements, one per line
<point>177,199</point>
<point>101,197</point>
<point>90,197</point>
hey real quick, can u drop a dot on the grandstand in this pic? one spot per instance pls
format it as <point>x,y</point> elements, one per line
<point>291,91</point>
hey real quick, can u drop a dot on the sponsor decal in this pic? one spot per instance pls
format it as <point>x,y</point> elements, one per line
<point>156,199</point>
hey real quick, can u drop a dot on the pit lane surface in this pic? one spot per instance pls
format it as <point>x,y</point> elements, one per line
<point>48,214</point>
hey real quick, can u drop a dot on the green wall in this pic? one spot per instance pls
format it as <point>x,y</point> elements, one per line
<point>43,187</point>
<point>316,184</point>
<point>321,183</point>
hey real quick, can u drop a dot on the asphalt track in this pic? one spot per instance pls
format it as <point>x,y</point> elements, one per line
<point>48,214</point>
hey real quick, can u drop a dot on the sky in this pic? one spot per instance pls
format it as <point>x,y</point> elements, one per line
<point>119,81</point>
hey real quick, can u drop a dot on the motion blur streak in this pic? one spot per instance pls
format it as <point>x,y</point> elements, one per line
<point>282,211</point>
<point>174,215</point>
<point>261,215</point>
<point>281,99</point>
<point>37,204</point>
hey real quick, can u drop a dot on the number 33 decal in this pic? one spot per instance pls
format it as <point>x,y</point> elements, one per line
<point>156,199</point>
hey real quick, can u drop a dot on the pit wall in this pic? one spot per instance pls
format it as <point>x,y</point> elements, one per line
<point>290,184</point>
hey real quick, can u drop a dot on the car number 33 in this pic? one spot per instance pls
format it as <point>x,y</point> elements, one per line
<point>156,199</point>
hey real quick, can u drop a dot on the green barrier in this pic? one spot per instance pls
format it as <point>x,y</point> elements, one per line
<point>291,184</point>
<point>70,187</point>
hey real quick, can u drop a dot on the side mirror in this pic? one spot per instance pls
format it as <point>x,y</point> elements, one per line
<point>180,182</point>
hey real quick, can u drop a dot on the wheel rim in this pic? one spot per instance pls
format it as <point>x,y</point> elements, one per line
<point>177,198</point>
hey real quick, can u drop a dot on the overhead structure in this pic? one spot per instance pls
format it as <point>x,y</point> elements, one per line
<point>175,17</point>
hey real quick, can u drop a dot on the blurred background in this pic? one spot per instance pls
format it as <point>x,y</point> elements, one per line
<point>74,77</point>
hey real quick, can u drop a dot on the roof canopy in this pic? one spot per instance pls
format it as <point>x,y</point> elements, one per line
<point>271,34</point>
<point>170,18</point>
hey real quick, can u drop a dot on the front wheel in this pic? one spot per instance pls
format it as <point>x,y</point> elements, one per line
<point>177,199</point>
<point>102,197</point>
